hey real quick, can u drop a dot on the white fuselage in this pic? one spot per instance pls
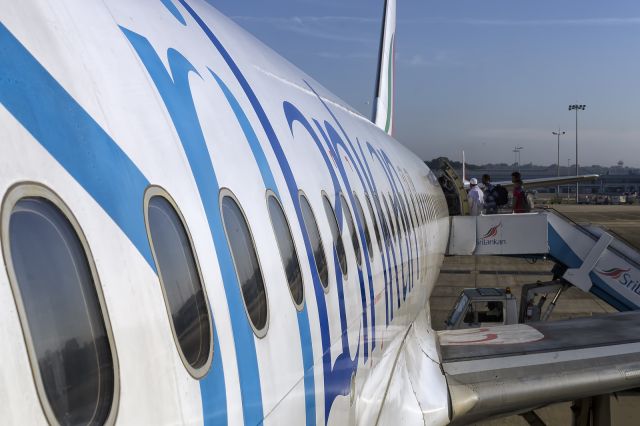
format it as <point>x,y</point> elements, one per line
<point>117,96</point>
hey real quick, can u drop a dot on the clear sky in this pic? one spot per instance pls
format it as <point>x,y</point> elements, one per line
<point>478,75</point>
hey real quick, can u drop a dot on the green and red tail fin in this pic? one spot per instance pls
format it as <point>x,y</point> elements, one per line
<point>384,103</point>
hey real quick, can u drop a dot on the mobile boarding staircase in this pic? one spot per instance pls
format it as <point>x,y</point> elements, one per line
<point>587,257</point>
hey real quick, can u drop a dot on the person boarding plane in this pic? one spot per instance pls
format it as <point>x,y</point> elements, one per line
<point>195,231</point>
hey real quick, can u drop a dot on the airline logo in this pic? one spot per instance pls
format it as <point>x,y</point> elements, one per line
<point>498,335</point>
<point>623,277</point>
<point>489,238</point>
<point>614,273</point>
<point>492,232</point>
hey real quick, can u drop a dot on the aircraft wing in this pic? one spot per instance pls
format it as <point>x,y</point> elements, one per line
<point>504,370</point>
<point>547,182</point>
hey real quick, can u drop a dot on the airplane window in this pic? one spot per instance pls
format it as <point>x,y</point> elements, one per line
<point>316,242</point>
<point>181,282</point>
<point>427,207</point>
<point>352,230</point>
<point>375,221</point>
<point>415,210</point>
<point>395,209</point>
<point>432,209</point>
<point>335,231</point>
<point>245,261</point>
<point>367,235</point>
<point>385,228</point>
<point>393,229</point>
<point>287,250</point>
<point>410,223</point>
<point>424,207</point>
<point>62,313</point>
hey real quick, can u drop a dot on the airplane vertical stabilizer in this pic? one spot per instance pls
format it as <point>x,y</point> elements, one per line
<point>383,109</point>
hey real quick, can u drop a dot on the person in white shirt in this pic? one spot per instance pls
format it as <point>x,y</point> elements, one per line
<point>476,198</point>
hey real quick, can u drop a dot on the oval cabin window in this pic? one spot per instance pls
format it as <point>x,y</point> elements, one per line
<point>363,221</point>
<point>182,287</point>
<point>62,314</point>
<point>352,230</point>
<point>311,226</point>
<point>374,220</point>
<point>390,218</point>
<point>245,260</point>
<point>335,232</point>
<point>287,250</point>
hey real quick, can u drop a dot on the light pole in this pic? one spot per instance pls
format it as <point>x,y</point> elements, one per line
<point>517,150</point>
<point>577,107</point>
<point>568,174</point>
<point>558,134</point>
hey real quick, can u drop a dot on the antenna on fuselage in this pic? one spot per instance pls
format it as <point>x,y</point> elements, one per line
<point>383,107</point>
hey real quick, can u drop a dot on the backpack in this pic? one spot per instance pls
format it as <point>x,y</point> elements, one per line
<point>529,203</point>
<point>501,195</point>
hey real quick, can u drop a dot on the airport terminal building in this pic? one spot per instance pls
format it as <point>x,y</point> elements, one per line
<point>613,180</point>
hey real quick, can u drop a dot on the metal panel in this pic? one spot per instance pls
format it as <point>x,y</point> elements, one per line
<point>574,359</point>
<point>510,234</point>
<point>462,239</point>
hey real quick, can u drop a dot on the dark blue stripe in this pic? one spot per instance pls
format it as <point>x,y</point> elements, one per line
<point>250,135</point>
<point>337,141</point>
<point>307,352</point>
<point>176,94</point>
<point>560,250</point>
<point>269,182</point>
<point>601,290</point>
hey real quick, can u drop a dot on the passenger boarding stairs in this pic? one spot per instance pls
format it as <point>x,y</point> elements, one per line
<point>590,258</point>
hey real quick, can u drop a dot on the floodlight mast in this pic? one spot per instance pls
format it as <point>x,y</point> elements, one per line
<point>517,150</point>
<point>577,107</point>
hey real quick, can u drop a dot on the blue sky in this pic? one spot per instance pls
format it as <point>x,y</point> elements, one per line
<point>478,75</point>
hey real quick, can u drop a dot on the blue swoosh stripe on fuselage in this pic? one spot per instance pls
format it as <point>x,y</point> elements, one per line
<point>91,157</point>
<point>303,316</point>
<point>176,95</point>
<point>250,134</point>
<point>73,138</point>
<point>292,187</point>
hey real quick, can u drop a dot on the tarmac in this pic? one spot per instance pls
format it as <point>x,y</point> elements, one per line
<point>459,272</point>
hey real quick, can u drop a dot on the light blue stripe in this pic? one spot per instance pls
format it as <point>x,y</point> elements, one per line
<point>256,149</point>
<point>269,182</point>
<point>307,351</point>
<point>174,11</point>
<point>73,138</point>
<point>88,154</point>
<point>176,94</point>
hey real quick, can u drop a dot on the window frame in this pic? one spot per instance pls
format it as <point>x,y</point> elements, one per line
<point>354,234</point>
<point>390,214</point>
<point>325,287</point>
<point>226,192</point>
<point>345,273</point>
<point>374,221</point>
<point>357,204</point>
<point>149,193</point>
<point>395,211</point>
<point>269,193</point>
<point>13,195</point>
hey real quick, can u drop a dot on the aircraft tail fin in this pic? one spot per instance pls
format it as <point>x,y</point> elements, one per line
<point>384,102</point>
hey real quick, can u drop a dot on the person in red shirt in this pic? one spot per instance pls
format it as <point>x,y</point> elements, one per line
<point>518,195</point>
